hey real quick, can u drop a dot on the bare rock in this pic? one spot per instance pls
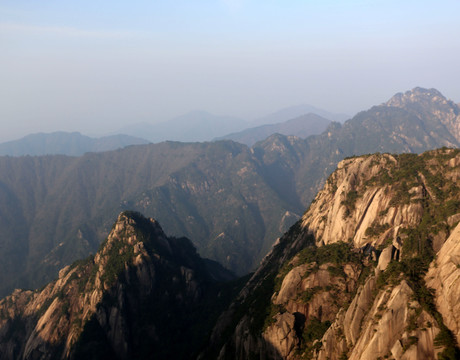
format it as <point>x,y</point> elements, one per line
<point>444,277</point>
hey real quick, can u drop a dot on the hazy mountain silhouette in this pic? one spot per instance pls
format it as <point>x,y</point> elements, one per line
<point>66,143</point>
<point>302,126</point>
<point>191,127</point>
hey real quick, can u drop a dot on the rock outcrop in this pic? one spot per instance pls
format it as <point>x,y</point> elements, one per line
<point>137,297</point>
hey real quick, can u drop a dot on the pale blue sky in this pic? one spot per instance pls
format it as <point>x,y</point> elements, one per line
<point>94,66</point>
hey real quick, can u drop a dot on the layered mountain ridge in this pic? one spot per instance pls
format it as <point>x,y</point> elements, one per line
<point>369,272</point>
<point>230,200</point>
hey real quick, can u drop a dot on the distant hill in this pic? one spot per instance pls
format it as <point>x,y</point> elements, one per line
<point>292,112</point>
<point>302,126</point>
<point>191,127</point>
<point>66,143</point>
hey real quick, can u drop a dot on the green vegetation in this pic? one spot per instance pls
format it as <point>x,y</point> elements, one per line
<point>119,256</point>
<point>314,330</point>
<point>349,202</point>
<point>308,294</point>
<point>376,229</point>
<point>337,253</point>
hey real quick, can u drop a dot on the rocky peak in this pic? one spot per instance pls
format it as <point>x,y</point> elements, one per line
<point>417,95</point>
<point>135,296</point>
<point>131,232</point>
<point>430,104</point>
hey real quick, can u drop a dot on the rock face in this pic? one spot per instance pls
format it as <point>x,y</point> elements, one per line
<point>139,296</point>
<point>350,280</point>
<point>444,277</point>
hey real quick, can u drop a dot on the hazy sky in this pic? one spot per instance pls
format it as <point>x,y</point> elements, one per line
<point>94,66</point>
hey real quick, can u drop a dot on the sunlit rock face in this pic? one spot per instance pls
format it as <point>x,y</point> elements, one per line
<point>369,272</point>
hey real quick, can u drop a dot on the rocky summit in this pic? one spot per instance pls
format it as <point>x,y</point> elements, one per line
<point>370,271</point>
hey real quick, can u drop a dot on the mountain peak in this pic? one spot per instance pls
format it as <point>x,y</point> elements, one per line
<point>429,104</point>
<point>417,94</point>
<point>131,233</point>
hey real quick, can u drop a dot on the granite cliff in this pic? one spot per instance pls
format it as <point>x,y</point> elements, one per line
<point>370,271</point>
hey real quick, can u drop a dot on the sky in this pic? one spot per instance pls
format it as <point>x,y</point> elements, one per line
<point>96,66</point>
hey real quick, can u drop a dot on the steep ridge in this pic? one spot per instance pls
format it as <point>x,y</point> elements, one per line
<point>369,272</point>
<point>142,295</point>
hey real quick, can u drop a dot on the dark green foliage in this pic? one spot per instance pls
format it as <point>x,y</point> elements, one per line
<point>447,339</point>
<point>308,294</point>
<point>350,201</point>
<point>376,229</point>
<point>314,330</point>
<point>118,258</point>
<point>336,253</point>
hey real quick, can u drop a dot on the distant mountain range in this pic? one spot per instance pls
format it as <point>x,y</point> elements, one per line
<point>295,111</point>
<point>196,126</point>
<point>203,126</point>
<point>302,126</point>
<point>65,143</point>
<point>191,127</point>
<point>232,201</point>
